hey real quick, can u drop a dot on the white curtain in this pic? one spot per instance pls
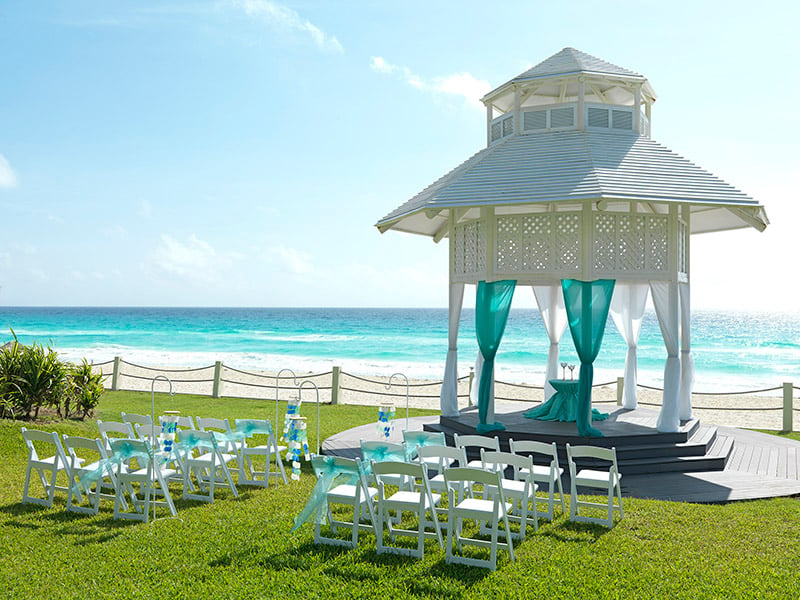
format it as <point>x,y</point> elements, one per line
<point>448,400</point>
<point>665,300</point>
<point>476,382</point>
<point>687,362</point>
<point>627,310</point>
<point>550,299</point>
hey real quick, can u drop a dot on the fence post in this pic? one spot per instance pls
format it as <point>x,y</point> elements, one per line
<point>115,375</point>
<point>620,388</point>
<point>335,385</point>
<point>469,392</point>
<point>788,417</point>
<point>217,374</point>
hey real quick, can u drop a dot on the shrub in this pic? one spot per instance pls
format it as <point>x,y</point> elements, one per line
<point>32,377</point>
<point>85,389</point>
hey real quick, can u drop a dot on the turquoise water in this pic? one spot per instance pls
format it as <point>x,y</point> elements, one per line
<point>732,351</point>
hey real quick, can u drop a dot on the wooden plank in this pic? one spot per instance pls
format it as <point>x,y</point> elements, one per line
<point>763,461</point>
<point>791,464</point>
<point>736,458</point>
<point>772,464</point>
<point>782,460</point>
<point>748,454</point>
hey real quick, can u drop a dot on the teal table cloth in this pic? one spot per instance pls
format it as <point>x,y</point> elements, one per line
<point>563,405</point>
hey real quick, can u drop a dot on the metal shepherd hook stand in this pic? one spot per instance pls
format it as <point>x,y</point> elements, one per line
<point>300,397</point>
<point>277,393</point>
<point>389,386</point>
<point>153,420</point>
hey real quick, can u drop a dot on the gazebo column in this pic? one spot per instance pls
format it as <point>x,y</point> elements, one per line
<point>550,300</point>
<point>448,400</point>
<point>665,300</point>
<point>687,362</point>
<point>627,310</point>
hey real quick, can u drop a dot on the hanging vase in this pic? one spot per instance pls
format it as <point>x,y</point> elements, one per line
<point>297,438</point>
<point>169,427</point>
<point>385,424</point>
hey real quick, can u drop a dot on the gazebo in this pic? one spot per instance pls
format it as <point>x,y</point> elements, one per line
<point>573,197</point>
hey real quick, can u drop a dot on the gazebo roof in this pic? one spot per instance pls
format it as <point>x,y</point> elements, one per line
<point>570,61</point>
<point>573,166</point>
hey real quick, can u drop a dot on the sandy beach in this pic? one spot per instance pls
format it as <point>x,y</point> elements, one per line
<point>757,411</point>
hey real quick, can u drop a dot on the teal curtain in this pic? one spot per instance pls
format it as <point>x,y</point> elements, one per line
<point>587,304</point>
<point>492,303</point>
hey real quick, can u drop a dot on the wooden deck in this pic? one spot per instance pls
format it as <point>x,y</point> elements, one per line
<point>750,465</point>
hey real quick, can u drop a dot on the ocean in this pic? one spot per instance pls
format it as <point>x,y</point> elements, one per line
<point>732,351</point>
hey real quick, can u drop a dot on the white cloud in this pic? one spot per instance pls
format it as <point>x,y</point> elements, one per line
<point>464,85</point>
<point>145,209</point>
<point>297,262</point>
<point>8,179</point>
<point>284,17</point>
<point>193,259</point>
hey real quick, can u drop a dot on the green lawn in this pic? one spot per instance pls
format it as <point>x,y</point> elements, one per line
<point>242,548</point>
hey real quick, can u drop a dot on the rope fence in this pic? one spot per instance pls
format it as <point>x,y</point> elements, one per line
<point>337,386</point>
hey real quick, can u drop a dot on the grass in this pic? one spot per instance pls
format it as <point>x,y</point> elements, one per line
<point>242,548</point>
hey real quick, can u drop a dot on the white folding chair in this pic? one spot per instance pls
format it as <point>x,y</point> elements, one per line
<point>140,483</point>
<point>89,472</point>
<point>417,439</point>
<point>380,451</point>
<point>208,464</point>
<point>268,450</point>
<point>420,502</point>
<point>231,448</point>
<point>520,489</point>
<point>476,509</point>
<point>185,422</point>
<point>52,465</point>
<point>119,428</point>
<point>597,479</point>
<point>355,493</point>
<point>550,472</point>
<point>476,441</point>
<point>445,455</point>
<point>134,419</point>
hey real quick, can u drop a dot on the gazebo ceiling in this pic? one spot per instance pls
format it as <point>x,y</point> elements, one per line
<point>559,170</point>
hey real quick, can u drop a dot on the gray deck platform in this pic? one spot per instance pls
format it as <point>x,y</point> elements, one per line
<point>744,465</point>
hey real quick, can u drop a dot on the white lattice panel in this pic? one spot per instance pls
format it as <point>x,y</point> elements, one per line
<point>531,246</point>
<point>568,241</point>
<point>657,247</point>
<point>683,248</point>
<point>469,252</point>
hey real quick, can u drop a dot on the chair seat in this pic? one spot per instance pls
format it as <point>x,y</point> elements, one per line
<point>513,487</point>
<point>346,493</point>
<point>478,506</point>
<point>592,478</point>
<point>475,464</point>
<point>165,473</point>
<point>542,472</point>
<point>410,499</point>
<point>261,450</point>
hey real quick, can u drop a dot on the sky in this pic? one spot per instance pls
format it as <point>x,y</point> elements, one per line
<point>239,152</point>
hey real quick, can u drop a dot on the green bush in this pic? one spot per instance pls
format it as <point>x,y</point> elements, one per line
<point>32,377</point>
<point>85,389</point>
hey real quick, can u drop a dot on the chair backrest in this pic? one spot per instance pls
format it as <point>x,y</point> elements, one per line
<point>381,451</point>
<point>134,418</point>
<point>596,452</point>
<point>132,450</point>
<point>123,429</point>
<point>415,439</point>
<point>202,441</point>
<point>470,474</point>
<point>322,463</point>
<point>148,433</point>
<point>221,425</point>
<point>45,437</point>
<point>185,422</point>
<point>443,453</point>
<point>390,467</point>
<point>251,427</point>
<point>477,441</point>
<point>499,461</point>
<point>533,447</point>
<point>73,445</point>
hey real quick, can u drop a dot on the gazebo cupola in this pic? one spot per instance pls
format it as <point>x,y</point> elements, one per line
<point>570,90</point>
<point>571,187</point>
